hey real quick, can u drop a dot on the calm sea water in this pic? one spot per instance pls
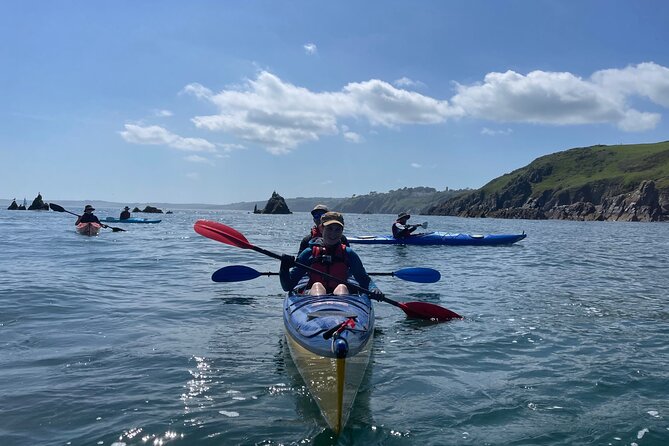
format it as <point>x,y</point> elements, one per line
<point>123,339</point>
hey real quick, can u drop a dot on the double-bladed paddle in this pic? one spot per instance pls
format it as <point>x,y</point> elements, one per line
<point>225,234</point>
<point>57,208</point>
<point>240,273</point>
<point>422,225</point>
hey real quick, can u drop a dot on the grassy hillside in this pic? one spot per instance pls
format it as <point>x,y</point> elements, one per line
<point>625,165</point>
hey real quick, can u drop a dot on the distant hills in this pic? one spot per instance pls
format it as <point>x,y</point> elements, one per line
<point>409,199</point>
<point>620,183</point>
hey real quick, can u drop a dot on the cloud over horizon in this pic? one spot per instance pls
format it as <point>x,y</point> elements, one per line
<point>156,135</point>
<point>280,116</point>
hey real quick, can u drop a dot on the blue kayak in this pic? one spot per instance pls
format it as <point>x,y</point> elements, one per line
<point>330,341</point>
<point>131,220</point>
<point>440,238</point>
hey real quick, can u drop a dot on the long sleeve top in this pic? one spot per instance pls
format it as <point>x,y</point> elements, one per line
<point>291,277</point>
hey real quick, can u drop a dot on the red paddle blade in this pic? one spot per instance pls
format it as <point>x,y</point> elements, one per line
<point>425,310</point>
<point>221,233</point>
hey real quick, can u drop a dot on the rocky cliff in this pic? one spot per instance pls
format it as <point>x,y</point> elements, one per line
<point>618,183</point>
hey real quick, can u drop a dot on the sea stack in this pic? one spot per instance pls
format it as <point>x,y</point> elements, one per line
<point>38,204</point>
<point>275,205</point>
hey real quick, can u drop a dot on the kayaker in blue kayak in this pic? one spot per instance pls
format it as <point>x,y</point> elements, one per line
<point>125,214</point>
<point>88,216</point>
<point>400,228</point>
<point>329,255</point>
<point>317,212</point>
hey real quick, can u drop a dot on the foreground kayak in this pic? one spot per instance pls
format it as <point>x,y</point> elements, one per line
<point>88,228</point>
<point>330,341</point>
<point>131,220</point>
<point>440,238</point>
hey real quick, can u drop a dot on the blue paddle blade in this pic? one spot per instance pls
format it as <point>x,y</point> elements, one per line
<point>419,275</point>
<point>235,273</point>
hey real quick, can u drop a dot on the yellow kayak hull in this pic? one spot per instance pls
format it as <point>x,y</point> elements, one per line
<point>332,382</point>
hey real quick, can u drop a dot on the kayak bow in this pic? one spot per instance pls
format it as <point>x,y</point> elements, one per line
<point>88,229</point>
<point>330,341</point>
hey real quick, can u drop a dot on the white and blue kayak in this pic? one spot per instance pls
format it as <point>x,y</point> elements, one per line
<point>131,220</point>
<point>330,341</point>
<point>440,238</point>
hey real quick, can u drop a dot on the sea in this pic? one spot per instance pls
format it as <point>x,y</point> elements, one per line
<point>124,339</point>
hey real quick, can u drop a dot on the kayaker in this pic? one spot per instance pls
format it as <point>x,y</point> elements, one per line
<point>315,232</point>
<point>125,214</point>
<point>329,255</point>
<point>88,216</point>
<point>400,228</point>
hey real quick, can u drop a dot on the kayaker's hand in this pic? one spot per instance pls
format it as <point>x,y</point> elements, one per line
<point>287,261</point>
<point>376,293</point>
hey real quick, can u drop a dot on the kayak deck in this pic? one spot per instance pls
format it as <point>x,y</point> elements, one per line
<point>440,238</point>
<point>330,339</point>
<point>89,229</point>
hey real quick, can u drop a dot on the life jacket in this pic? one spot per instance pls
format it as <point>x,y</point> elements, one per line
<point>330,261</point>
<point>315,232</point>
<point>397,232</point>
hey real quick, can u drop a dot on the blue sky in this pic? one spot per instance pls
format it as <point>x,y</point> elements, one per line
<point>218,102</point>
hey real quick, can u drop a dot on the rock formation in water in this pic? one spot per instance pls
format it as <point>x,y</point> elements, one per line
<point>152,210</point>
<point>13,206</point>
<point>38,204</point>
<point>275,205</point>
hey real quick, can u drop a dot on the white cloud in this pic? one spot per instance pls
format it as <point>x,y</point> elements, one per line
<point>198,159</point>
<point>197,90</point>
<point>280,116</point>
<point>156,135</point>
<point>193,176</point>
<point>646,79</point>
<point>491,132</point>
<point>416,165</point>
<point>310,48</point>
<point>353,137</point>
<point>162,113</point>
<point>409,83</point>
<point>564,99</point>
<point>231,147</point>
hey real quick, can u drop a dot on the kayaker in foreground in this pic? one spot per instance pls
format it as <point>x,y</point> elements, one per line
<point>400,228</point>
<point>315,232</point>
<point>329,255</point>
<point>125,214</point>
<point>89,217</point>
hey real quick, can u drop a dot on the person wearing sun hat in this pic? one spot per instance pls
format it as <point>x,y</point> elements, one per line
<point>88,216</point>
<point>125,214</point>
<point>400,228</point>
<point>329,255</point>
<point>315,232</point>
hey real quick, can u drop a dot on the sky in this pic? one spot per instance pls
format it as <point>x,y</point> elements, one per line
<point>218,102</point>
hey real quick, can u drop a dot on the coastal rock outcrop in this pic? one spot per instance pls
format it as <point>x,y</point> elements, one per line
<point>275,205</point>
<point>13,206</point>
<point>38,204</point>
<point>151,210</point>
<point>595,201</point>
<point>604,183</point>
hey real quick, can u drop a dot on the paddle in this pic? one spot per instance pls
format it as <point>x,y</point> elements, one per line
<point>226,234</point>
<point>240,273</point>
<point>422,225</point>
<point>57,208</point>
